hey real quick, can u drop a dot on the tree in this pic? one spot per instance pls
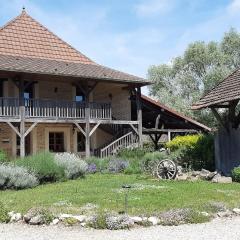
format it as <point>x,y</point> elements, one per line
<point>197,71</point>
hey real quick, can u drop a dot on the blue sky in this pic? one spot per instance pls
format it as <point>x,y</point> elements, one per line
<point>130,35</point>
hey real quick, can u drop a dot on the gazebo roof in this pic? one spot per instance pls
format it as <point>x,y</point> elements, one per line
<point>226,91</point>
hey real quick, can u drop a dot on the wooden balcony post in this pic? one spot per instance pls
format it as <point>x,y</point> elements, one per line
<point>139,115</point>
<point>87,128</point>
<point>22,117</point>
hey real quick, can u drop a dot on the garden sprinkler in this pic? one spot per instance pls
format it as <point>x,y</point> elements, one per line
<point>126,187</point>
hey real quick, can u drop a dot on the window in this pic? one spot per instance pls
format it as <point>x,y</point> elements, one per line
<point>56,141</point>
<point>29,91</point>
<point>80,142</point>
<point>80,97</point>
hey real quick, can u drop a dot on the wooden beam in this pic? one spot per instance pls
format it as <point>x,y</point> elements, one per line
<point>94,129</point>
<point>232,110</point>
<point>91,88</point>
<point>122,122</point>
<point>139,115</point>
<point>169,136</point>
<point>157,121</point>
<point>22,117</point>
<point>135,130</point>
<point>28,84</point>
<point>219,118</point>
<point>30,129</point>
<point>78,84</point>
<point>80,129</point>
<point>14,129</point>
<point>87,127</point>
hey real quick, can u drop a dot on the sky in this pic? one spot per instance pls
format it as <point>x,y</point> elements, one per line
<point>130,35</point>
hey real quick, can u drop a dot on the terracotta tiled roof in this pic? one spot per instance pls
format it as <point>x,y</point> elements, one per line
<point>25,37</point>
<point>27,46</point>
<point>61,68</point>
<point>225,91</point>
<point>175,113</point>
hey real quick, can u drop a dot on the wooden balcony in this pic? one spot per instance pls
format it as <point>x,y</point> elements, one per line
<point>54,109</point>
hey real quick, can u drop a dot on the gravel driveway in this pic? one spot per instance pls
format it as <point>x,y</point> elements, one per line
<point>223,229</point>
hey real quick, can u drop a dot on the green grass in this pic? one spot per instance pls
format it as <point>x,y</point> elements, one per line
<point>105,190</point>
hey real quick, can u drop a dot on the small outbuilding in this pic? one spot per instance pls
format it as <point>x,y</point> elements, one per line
<point>223,100</point>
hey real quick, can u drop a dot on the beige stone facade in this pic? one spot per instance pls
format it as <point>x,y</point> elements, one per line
<point>116,94</point>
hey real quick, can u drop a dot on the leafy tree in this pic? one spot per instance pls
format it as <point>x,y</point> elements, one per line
<point>197,71</point>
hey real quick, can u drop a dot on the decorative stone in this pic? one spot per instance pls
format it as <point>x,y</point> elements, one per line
<point>83,224</point>
<point>179,171</point>
<point>205,214</point>
<point>224,214</point>
<point>63,216</point>
<point>154,220</point>
<point>182,177</point>
<point>195,173</point>
<point>236,211</point>
<point>204,174</point>
<point>80,218</point>
<point>31,213</point>
<point>36,220</point>
<point>221,179</point>
<point>16,217</point>
<point>136,219</point>
<point>212,175</point>
<point>55,221</point>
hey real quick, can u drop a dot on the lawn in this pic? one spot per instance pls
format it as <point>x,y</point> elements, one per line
<point>147,195</point>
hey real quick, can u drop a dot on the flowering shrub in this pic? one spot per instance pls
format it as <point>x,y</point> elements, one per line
<point>100,163</point>
<point>73,166</point>
<point>117,165</point>
<point>118,222</point>
<point>196,151</point>
<point>15,177</point>
<point>92,168</point>
<point>104,220</point>
<point>182,216</point>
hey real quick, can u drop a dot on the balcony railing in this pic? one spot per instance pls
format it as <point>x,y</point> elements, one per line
<point>51,109</point>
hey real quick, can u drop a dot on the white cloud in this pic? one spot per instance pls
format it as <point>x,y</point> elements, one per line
<point>234,7</point>
<point>148,8</point>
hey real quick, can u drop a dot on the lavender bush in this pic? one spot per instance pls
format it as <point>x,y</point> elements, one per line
<point>92,168</point>
<point>117,165</point>
<point>15,177</point>
<point>73,166</point>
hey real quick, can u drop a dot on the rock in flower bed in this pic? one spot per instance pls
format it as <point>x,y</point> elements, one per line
<point>114,221</point>
<point>204,175</point>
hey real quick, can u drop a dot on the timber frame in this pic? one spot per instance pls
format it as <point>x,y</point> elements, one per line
<point>91,124</point>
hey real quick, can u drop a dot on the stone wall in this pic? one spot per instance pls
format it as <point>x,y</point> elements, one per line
<point>117,95</point>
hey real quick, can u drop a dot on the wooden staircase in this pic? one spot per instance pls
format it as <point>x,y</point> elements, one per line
<point>128,140</point>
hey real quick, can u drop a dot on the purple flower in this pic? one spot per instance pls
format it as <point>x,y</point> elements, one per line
<point>92,168</point>
<point>117,165</point>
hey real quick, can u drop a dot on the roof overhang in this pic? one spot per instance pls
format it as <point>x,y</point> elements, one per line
<point>38,66</point>
<point>179,115</point>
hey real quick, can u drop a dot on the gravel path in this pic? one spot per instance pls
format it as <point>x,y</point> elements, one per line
<point>218,229</point>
